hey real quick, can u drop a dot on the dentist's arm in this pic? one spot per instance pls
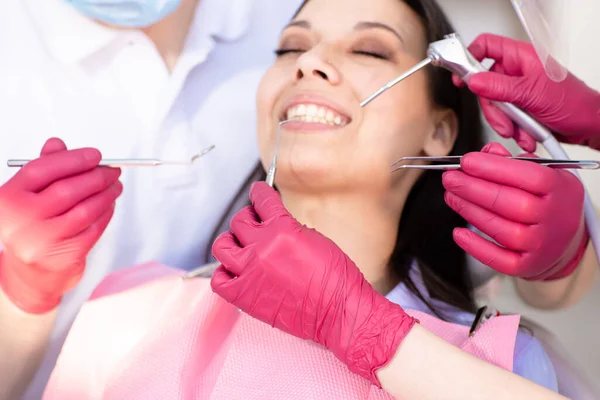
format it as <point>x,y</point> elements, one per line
<point>569,108</point>
<point>52,212</point>
<point>297,280</point>
<point>426,367</point>
<point>23,341</point>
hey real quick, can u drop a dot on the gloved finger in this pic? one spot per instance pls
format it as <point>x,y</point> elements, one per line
<point>228,252</point>
<point>510,66</point>
<point>524,139</point>
<point>503,125</point>
<point>502,260</point>
<point>244,225</point>
<point>508,202</point>
<point>497,68</point>
<point>64,194</point>
<point>497,119</point>
<point>53,145</point>
<point>527,155</point>
<point>267,202</point>
<point>512,235</point>
<point>76,248</point>
<point>458,82</point>
<point>521,174</point>
<point>502,50</point>
<point>86,213</point>
<point>487,45</point>
<point>495,148</point>
<point>40,173</point>
<point>223,284</point>
<point>499,87</point>
<point>91,235</point>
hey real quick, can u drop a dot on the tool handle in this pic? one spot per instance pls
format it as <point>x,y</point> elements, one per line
<point>539,132</point>
<point>115,163</point>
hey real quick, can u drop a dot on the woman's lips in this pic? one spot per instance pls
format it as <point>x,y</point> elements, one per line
<point>305,126</point>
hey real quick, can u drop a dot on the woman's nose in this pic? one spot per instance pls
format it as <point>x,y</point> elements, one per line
<point>312,64</point>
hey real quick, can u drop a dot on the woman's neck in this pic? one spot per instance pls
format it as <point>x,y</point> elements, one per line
<point>363,227</point>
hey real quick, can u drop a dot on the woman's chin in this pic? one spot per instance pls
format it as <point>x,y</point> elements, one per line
<point>307,177</point>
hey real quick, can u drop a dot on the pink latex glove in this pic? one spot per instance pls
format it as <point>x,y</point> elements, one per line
<point>51,214</point>
<point>569,108</point>
<point>533,211</point>
<point>297,280</point>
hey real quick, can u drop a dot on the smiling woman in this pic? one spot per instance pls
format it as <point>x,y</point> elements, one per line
<point>393,233</point>
<point>327,64</point>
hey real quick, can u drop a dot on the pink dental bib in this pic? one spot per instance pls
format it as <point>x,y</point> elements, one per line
<point>147,334</point>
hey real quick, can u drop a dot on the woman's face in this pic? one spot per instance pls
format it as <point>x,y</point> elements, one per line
<point>333,55</point>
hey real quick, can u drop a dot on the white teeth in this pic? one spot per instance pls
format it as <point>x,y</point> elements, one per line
<point>329,116</point>
<point>316,114</point>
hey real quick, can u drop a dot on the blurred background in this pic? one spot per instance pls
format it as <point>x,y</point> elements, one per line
<point>576,327</point>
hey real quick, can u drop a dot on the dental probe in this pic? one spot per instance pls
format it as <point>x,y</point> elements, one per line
<point>273,166</point>
<point>129,162</point>
<point>393,82</point>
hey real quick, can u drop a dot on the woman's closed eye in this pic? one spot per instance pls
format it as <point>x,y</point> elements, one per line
<point>282,52</point>
<point>378,55</point>
<point>371,54</point>
<point>369,47</point>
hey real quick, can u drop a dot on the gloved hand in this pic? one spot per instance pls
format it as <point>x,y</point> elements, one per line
<point>533,211</point>
<point>51,214</point>
<point>569,108</point>
<point>297,280</point>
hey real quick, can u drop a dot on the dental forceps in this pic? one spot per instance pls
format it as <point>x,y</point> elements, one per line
<point>453,162</point>
<point>130,162</point>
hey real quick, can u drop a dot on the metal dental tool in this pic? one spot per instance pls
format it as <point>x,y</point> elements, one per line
<point>453,162</point>
<point>393,82</point>
<point>205,271</point>
<point>130,162</point>
<point>450,53</point>
<point>273,166</point>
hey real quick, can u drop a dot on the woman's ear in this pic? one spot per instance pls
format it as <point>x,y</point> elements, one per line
<point>440,142</point>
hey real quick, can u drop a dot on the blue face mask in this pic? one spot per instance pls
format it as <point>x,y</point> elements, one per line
<point>126,13</point>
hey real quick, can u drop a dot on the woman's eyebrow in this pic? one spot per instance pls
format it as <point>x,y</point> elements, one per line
<point>377,25</point>
<point>298,23</point>
<point>359,26</point>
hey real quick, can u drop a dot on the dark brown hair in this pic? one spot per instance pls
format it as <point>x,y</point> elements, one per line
<point>426,225</point>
